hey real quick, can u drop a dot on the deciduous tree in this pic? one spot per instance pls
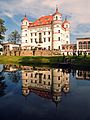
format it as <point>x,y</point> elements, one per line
<point>2,29</point>
<point>14,37</point>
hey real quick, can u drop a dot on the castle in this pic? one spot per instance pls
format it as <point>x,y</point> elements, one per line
<point>46,36</point>
<point>47,32</point>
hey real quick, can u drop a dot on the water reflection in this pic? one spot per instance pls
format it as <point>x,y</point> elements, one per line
<point>45,82</point>
<point>52,84</point>
<point>83,75</point>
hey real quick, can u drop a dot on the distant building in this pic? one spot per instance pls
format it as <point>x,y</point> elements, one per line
<point>82,75</point>
<point>8,48</point>
<point>69,49</point>
<point>83,45</point>
<point>47,32</point>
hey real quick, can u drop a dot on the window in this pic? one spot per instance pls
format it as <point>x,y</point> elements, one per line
<point>31,34</point>
<point>44,76</point>
<point>40,38</point>
<point>66,36</point>
<point>48,76</point>
<point>35,81</point>
<point>35,34</point>
<point>35,75</point>
<point>31,40</point>
<point>26,74</point>
<point>31,75</point>
<point>84,45</point>
<point>49,39</point>
<point>59,47</point>
<point>58,77</point>
<point>44,82</point>
<point>66,26</point>
<point>35,40</point>
<point>80,45</point>
<point>44,33</point>
<point>59,38</point>
<point>49,33</point>
<point>66,42</point>
<point>89,45</point>
<point>48,47</point>
<point>44,39</point>
<point>25,34</point>
<point>48,83</point>
<point>56,17</point>
<point>63,47</point>
<point>58,31</point>
<point>25,41</point>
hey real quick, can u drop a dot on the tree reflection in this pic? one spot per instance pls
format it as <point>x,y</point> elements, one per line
<point>2,85</point>
<point>14,76</point>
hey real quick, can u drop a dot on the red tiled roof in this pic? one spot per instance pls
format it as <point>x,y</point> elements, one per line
<point>45,20</point>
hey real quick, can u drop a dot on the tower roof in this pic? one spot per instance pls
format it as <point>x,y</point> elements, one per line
<point>25,18</point>
<point>66,21</point>
<point>57,12</point>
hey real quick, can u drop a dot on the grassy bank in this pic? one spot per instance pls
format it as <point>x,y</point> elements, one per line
<point>29,60</point>
<point>78,61</point>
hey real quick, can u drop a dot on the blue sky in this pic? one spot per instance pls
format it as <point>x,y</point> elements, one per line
<point>78,12</point>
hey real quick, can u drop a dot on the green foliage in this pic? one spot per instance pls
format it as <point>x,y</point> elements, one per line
<point>2,29</point>
<point>14,37</point>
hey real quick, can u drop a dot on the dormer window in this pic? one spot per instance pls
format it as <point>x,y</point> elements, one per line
<point>66,26</point>
<point>56,17</point>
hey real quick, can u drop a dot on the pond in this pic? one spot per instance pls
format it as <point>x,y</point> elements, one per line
<point>44,93</point>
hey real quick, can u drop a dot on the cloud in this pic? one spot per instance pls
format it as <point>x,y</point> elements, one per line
<point>77,10</point>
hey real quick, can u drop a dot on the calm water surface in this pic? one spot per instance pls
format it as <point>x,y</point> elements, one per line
<point>42,93</point>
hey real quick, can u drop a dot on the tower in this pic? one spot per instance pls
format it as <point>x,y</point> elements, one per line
<point>66,26</point>
<point>57,30</point>
<point>24,30</point>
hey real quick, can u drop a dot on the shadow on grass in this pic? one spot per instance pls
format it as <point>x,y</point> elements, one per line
<point>41,61</point>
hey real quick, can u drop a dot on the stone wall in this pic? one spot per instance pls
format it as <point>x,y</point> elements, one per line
<point>33,53</point>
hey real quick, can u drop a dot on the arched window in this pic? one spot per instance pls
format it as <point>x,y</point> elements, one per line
<point>80,45</point>
<point>25,41</point>
<point>88,44</point>
<point>56,17</point>
<point>84,45</point>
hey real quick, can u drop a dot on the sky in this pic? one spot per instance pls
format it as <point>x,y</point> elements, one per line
<point>77,12</point>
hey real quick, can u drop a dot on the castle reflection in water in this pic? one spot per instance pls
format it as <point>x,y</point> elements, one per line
<point>45,82</point>
<point>49,83</point>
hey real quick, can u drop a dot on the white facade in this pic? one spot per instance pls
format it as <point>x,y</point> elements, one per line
<point>47,32</point>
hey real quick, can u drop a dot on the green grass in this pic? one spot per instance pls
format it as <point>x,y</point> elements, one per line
<point>40,60</point>
<point>29,59</point>
<point>10,59</point>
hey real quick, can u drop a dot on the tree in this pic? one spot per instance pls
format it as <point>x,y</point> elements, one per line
<point>2,29</point>
<point>14,37</point>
